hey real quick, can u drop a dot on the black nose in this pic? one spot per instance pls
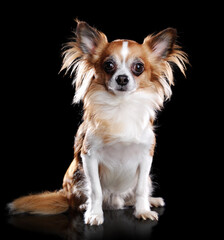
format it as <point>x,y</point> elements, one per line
<point>122,80</point>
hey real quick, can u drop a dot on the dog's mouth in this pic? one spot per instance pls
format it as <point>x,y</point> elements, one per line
<point>122,89</point>
<point>119,89</point>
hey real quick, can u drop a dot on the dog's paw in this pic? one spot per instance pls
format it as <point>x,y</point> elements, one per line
<point>146,215</point>
<point>93,218</point>
<point>156,201</point>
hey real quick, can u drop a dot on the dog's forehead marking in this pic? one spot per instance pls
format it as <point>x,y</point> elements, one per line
<point>124,50</point>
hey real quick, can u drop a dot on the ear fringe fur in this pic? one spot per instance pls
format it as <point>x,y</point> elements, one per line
<point>75,62</point>
<point>177,57</point>
<point>80,63</point>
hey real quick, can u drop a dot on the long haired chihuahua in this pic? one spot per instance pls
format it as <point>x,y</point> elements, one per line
<point>122,85</point>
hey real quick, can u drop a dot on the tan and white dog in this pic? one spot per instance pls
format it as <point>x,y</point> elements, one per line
<point>122,85</point>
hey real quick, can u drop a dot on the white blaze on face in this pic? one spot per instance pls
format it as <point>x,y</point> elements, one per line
<point>124,54</point>
<point>124,51</point>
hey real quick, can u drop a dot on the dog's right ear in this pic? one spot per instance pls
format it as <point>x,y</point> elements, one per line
<point>90,40</point>
<point>81,54</point>
<point>85,47</point>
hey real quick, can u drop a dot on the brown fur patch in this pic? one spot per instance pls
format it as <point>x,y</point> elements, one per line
<point>152,148</point>
<point>75,174</point>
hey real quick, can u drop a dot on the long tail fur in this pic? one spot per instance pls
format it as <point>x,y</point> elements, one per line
<point>46,203</point>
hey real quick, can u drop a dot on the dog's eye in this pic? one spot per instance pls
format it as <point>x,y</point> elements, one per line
<point>137,68</point>
<point>109,66</point>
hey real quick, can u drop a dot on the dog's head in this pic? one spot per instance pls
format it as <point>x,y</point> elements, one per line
<point>122,66</point>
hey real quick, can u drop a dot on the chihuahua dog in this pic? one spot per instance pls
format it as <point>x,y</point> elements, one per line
<point>122,85</point>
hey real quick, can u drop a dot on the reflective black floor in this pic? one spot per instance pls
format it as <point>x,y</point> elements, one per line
<point>179,224</point>
<point>117,224</point>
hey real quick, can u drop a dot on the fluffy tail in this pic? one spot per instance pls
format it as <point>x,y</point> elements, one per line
<point>46,203</point>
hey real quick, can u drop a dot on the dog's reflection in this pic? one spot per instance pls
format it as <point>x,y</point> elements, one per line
<point>71,226</point>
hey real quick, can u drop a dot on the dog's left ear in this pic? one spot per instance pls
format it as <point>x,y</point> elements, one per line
<point>162,43</point>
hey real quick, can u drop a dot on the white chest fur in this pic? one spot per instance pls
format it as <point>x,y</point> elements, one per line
<point>127,117</point>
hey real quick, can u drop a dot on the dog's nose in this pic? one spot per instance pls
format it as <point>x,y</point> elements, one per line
<point>122,80</point>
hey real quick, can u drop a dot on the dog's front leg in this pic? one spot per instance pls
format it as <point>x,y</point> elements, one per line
<point>94,212</point>
<point>142,206</point>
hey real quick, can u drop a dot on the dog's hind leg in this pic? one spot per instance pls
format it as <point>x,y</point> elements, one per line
<point>156,201</point>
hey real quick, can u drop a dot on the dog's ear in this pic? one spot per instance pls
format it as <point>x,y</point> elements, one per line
<point>162,44</point>
<point>90,40</point>
<point>81,54</point>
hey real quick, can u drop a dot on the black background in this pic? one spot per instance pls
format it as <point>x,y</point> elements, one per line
<point>39,120</point>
